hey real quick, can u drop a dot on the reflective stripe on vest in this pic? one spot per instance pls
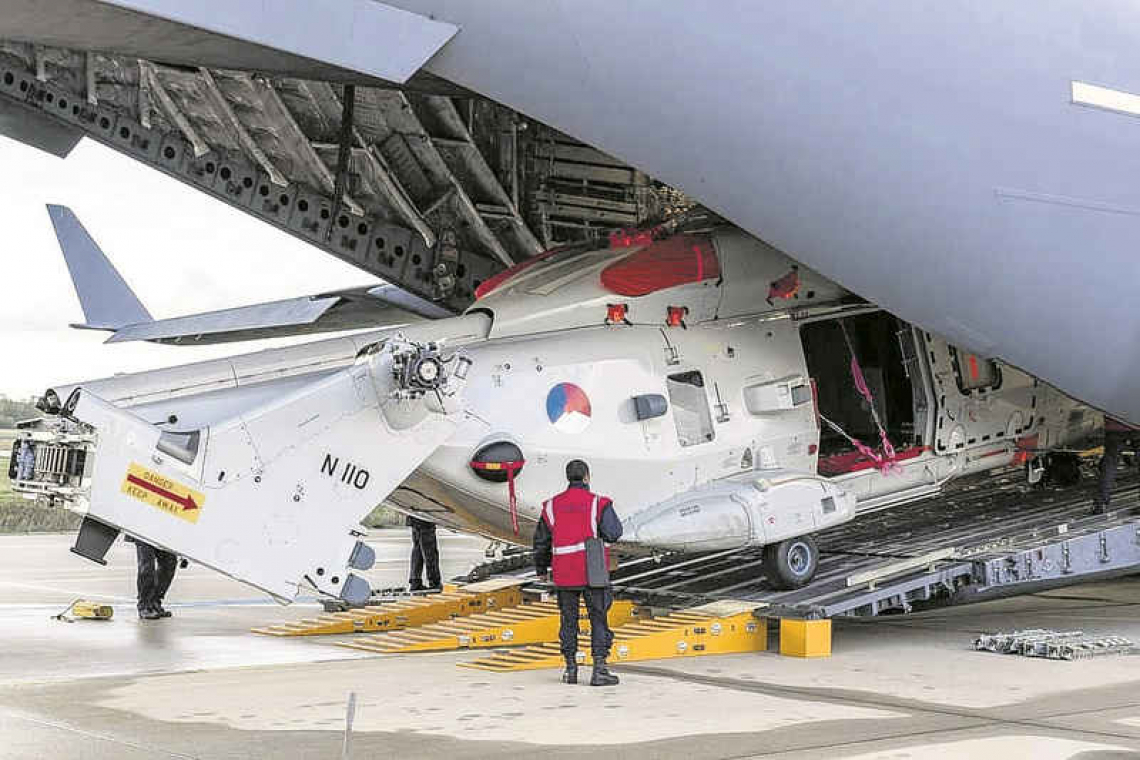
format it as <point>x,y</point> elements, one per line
<point>580,546</point>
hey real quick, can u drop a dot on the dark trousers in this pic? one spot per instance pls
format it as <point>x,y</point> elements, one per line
<point>156,571</point>
<point>425,551</point>
<point>1114,443</point>
<point>598,601</point>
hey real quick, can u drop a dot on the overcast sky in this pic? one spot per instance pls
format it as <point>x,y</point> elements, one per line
<point>180,250</point>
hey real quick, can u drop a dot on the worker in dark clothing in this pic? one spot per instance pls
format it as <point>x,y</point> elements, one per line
<point>155,573</point>
<point>568,520</point>
<point>1116,435</point>
<point>425,552</point>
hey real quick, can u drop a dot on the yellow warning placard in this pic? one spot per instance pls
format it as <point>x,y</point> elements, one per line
<point>163,493</point>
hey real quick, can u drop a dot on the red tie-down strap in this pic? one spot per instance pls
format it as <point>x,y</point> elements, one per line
<point>510,468</point>
<point>886,463</point>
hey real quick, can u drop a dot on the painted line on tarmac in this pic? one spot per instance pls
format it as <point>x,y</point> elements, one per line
<point>875,700</point>
<point>89,734</point>
<point>298,602</point>
<point>73,593</point>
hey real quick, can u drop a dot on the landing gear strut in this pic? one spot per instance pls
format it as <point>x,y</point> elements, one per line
<point>1059,469</point>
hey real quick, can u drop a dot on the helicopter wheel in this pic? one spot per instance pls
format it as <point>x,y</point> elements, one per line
<point>792,562</point>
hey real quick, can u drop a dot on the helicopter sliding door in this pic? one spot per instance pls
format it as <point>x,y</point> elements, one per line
<point>855,358</point>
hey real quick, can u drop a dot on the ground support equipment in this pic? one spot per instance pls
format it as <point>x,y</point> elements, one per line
<point>1053,645</point>
<point>724,627</point>
<point>453,602</point>
<point>525,624</point>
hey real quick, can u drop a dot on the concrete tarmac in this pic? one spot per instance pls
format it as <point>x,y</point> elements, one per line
<point>199,685</point>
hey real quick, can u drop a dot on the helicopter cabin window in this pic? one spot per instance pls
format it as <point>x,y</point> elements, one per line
<point>690,408</point>
<point>975,373</point>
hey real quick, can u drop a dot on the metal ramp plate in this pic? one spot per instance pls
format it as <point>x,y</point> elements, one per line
<point>453,602</point>
<point>1054,645</point>
<point>724,627</point>
<point>524,624</point>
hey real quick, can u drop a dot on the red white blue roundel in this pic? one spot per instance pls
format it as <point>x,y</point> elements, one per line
<point>568,408</point>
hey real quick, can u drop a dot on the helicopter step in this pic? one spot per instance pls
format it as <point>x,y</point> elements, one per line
<point>452,602</point>
<point>531,623</point>
<point>725,627</point>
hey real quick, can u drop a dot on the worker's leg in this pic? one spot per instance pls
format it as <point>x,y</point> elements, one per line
<point>429,547</point>
<point>1113,443</point>
<point>144,553</point>
<point>415,580</point>
<point>568,633</point>
<point>167,564</point>
<point>598,602</point>
<point>568,623</point>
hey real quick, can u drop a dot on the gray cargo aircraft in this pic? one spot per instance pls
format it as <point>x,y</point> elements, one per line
<point>969,166</point>
<point>968,169</point>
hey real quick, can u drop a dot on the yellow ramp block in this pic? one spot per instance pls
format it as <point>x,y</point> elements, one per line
<point>525,624</point>
<point>805,638</point>
<point>453,602</point>
<point>719,628</point>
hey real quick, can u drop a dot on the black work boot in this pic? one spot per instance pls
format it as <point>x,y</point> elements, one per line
<point>149,613</point>
<point>570,675</point>
<point>602,675</point>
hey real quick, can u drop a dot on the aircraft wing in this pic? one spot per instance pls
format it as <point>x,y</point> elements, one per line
<point>110,304</point>
<point>354,40</point>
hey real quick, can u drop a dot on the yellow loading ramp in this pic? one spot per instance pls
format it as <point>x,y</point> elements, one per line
<point>452,602</point>
<point>524,624</point>
<point>723,627</point>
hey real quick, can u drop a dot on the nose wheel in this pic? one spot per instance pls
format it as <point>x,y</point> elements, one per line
<point>792,562</point>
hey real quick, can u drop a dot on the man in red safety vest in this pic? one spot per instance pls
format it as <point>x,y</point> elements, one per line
<point>567,522</point>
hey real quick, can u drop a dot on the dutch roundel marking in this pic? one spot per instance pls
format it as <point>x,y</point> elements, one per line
<point>568,408</point>
<point>162,493</point>
<point>350,473</point>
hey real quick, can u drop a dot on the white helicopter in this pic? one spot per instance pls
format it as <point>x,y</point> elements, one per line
<point>724,396</point>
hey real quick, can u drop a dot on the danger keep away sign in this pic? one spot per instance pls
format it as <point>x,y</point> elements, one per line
<point>163,493</point>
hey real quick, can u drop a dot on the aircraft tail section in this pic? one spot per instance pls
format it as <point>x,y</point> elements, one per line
<point>273,496</point>
<point>108,302</point>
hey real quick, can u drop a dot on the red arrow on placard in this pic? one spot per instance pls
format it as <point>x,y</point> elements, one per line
<point>186,501</point>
